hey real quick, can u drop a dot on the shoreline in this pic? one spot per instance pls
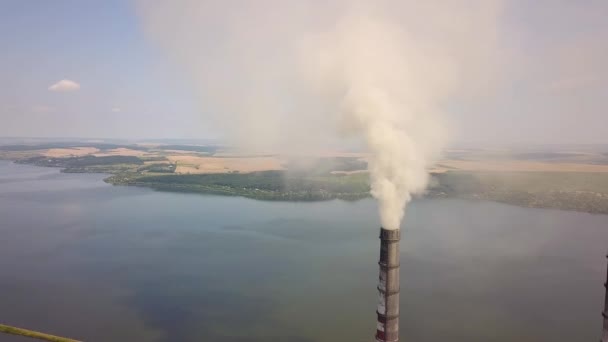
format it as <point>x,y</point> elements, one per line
<point>273,186</point>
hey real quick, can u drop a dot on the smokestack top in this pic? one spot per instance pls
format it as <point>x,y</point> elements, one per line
<point>391,234</point>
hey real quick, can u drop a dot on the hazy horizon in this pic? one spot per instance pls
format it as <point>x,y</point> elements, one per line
<point>32,140</point>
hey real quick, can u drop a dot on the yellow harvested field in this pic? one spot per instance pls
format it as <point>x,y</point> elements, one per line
<point>240,161</point>
<point>321,154</point>
<point>121,152</point>
<point>69,152</point>
<point>518,165</point>
<point>195,164</point>
<point>179,152</point>
<point>348,172</point>
<point>241,154</point>
<point>152,162</point>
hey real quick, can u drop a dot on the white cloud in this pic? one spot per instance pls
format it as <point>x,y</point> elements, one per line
<point>65,86</point>
<point>116,109</point>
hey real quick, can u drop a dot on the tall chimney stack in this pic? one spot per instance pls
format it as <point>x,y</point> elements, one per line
<point>605,312</point>
<point>388,287</point>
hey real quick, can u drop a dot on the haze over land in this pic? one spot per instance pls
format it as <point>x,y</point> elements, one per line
<point>569,178</point>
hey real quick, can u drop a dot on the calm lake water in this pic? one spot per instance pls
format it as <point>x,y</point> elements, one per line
<point>84,259</point>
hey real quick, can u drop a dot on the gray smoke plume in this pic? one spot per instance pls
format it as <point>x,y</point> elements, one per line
<point>292,76</point>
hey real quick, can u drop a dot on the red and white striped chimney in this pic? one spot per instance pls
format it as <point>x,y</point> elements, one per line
<point>388,287</point>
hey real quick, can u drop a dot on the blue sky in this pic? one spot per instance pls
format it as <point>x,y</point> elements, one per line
<point>124,80</point>
<point>550,83</point>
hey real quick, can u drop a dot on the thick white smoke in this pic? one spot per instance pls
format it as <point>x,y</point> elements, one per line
<point>290,76</point>
<point>384,86</point>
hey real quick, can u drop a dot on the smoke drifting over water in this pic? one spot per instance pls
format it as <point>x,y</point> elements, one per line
<point>292,77</point>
